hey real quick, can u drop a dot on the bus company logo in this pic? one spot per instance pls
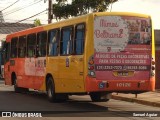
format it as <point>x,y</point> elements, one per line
<point>102,85</point>
<point>6,114</point>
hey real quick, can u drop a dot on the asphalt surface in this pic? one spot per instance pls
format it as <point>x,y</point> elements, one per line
<point>77,106</point>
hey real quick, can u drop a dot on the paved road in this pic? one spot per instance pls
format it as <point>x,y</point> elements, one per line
<point>77,106</point>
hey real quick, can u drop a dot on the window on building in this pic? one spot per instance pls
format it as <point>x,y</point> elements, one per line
<point>79,39</point>
<point>31,45</point>
<point>22,47</point>
<point>41,44</point>
<point>66,43</point>
<point>14,44</point>
<point>53,37</point>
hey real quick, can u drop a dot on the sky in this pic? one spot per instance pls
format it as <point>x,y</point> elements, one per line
<point>150,7</point>
<point>24,9</point>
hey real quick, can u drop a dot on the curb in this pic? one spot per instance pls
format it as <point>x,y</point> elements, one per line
<point>1,81</point>
<point>144,102</point>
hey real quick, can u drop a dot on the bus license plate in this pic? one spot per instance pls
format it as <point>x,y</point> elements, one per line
<point>123,73</point>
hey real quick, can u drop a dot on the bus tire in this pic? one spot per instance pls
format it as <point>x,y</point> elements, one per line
<point>18,89</point>
<point>52,96</point>
<point>99,97</point>
<point>51,90</point>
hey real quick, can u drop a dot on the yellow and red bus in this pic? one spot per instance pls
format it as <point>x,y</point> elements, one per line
<point>94,54</point>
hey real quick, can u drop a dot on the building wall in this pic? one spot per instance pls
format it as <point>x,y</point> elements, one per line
<point>157,42</point>
<point>3,36</point>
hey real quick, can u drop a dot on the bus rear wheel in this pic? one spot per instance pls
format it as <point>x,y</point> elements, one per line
<point>51,90</point>
<point>99,96</point>
<point>52,96</point>
<point>18,89</point>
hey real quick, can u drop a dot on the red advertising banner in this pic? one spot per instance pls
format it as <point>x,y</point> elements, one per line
<point>122,45</point>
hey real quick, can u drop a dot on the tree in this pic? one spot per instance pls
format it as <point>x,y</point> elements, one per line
<point>62,9</point>
<point>37,22</point>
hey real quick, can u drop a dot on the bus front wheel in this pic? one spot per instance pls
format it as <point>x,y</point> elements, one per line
<point>100,96</point>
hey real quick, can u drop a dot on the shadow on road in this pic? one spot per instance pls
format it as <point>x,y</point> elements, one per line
<point>36,101</point>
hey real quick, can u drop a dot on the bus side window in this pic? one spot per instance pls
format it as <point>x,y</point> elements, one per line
<point>7,52</point>
<point>14,44</point>
<point>66,43</point>
<point>53,42</point>
<point>79,39</point>
<point>41,42</point>
<point>22,47</point>
<point>31,45</point>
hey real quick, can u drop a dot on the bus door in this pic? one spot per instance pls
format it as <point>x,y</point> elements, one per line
<point>7,74</point>
<point>71,61</point>
<point>122,48</point>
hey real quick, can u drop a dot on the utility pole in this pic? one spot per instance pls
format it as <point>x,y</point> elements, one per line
<point>49,11</point>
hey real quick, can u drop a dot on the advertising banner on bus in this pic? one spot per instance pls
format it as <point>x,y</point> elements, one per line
<point>122,47</point>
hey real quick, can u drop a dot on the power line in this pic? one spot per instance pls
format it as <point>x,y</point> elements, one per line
<point>10,25</point>
<point>10,5</point>
<point>14,20</point>
<point>31,16</point>
<point>23,7</point>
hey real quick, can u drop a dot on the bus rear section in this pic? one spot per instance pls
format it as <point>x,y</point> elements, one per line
<point>123,59</point>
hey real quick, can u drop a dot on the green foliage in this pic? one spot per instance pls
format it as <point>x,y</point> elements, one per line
<point>62,9</point>
<point>37,22</point>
